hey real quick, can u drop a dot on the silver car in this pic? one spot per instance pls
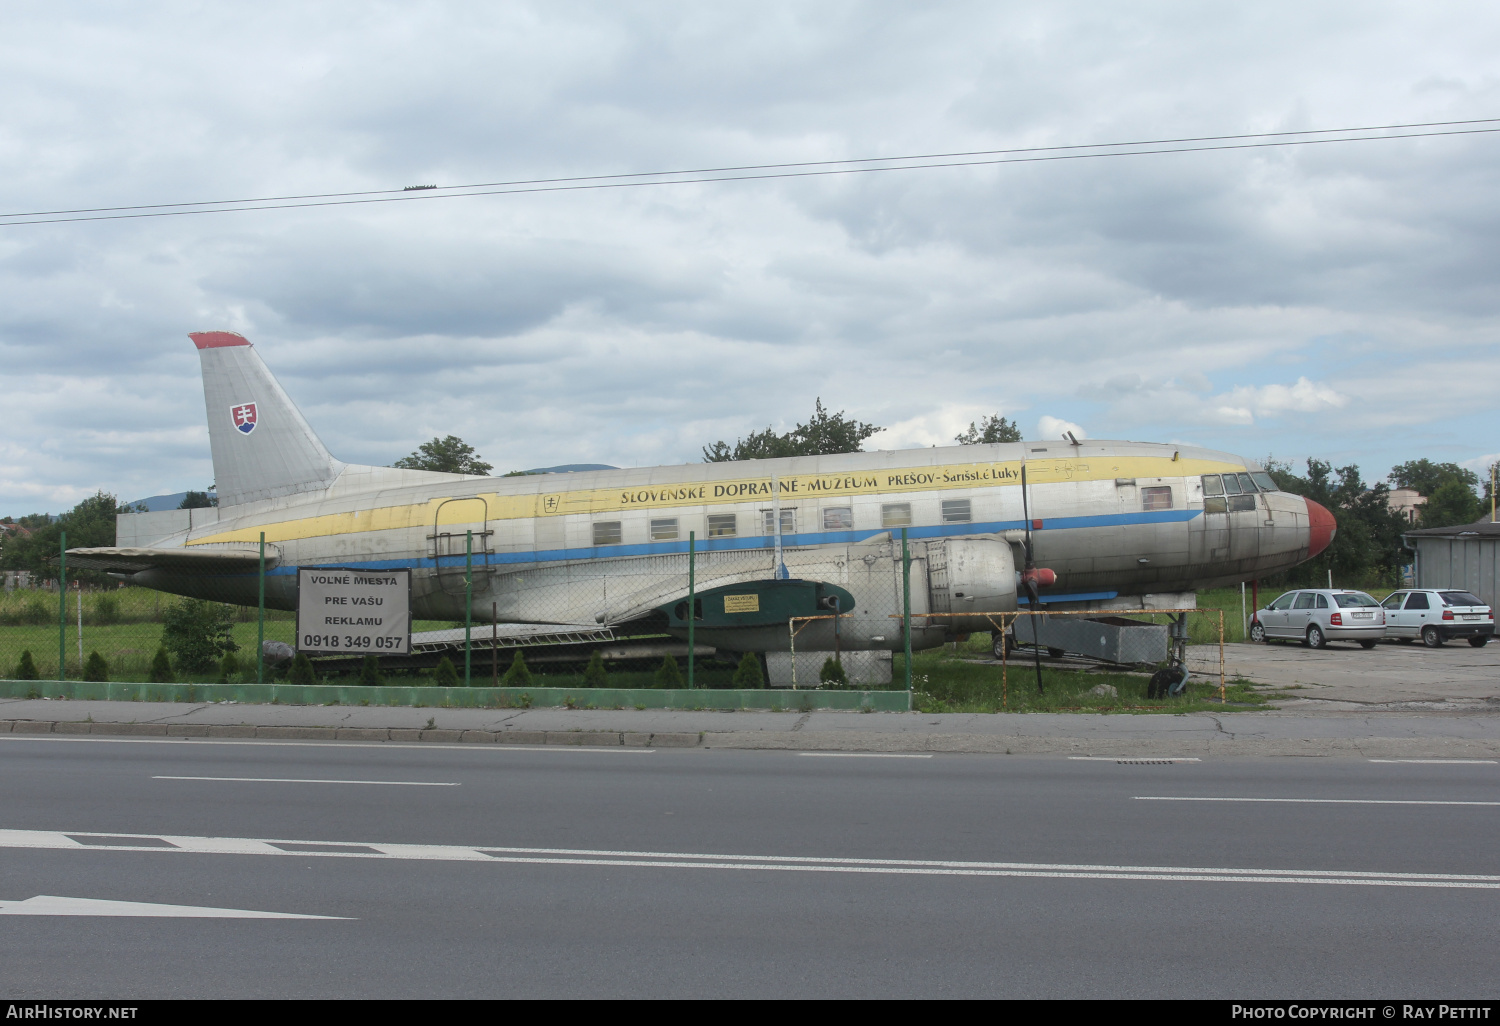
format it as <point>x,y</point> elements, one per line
<point>1317,616</point>
<point>1437,614</point>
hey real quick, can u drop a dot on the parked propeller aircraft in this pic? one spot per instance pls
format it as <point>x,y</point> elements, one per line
<point>1122,525</point>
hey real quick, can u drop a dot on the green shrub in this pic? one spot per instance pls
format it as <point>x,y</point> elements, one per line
<point>832,672</point>
<point>594,674</point>
<point>445,676</point>
<point>26,668</point>
<point>229,669</point>
<point>38,612</point>
<point>107,610</point>
<point>748,674</point>
<point>518,676</point>
<point>95,668</point>
<point>302,671</point>
<point>667,674</point>
<point>369,671</point>
<point>197,633</point>
<point>161,668</point>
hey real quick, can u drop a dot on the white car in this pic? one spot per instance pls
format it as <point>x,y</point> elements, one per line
<point>1437,614</point>
<point>1317,616</point>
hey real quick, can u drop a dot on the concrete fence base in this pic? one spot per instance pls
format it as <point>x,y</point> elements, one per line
<point>461,698</point>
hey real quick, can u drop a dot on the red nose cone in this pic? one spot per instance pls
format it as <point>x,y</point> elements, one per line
<point>1321,528</point>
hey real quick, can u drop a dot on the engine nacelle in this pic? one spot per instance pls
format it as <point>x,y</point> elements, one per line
<point>971,575</point>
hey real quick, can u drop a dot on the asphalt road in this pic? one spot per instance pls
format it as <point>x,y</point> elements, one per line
<point>623,872</point>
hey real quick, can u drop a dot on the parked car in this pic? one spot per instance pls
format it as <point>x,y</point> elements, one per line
<point>1437,614</point>
<point>1317,616</point>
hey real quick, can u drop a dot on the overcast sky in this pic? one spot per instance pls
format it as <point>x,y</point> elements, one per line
<point>1336,301</point>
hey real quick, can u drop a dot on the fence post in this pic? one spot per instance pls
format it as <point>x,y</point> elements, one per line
<point>692,609</point>
<point>906,610</point>
<point>62,608</point>
<point>468,602</point>
<point>260,617</point>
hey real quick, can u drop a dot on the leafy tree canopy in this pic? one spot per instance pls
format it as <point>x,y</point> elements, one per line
<point>1451,504</point>
<point>1427,477</point>
<point>197,500</point>
<point>89,524</point>
<point>451,455</point>
<point>990,430</point>
<point>824,434</point>
<point>1367,545</point>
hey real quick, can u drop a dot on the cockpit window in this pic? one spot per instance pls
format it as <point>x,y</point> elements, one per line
<point>1246,485</point>
<point>1263,480</point>
<point>1231,484</point>
<point>1213,484</point>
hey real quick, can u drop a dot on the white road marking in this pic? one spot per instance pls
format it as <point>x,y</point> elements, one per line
<point>1310,801</point>
<point>1132,758</point>
<point>54,840</point>
<point>864,755</point>
<point>52,905</point>
<point>291,780</point>
<point>1442,762</point>
<point>478,746</point>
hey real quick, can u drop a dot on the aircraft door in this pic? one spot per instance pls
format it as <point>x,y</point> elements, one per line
<point>449,539</point>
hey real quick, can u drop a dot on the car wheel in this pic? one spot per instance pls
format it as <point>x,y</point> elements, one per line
<point>1479,640</point>
<point>1432,637</point>
<point>1315,637</point>
<point>1056,653</point>
<point>1257,632</point>
<point>1367,644</point>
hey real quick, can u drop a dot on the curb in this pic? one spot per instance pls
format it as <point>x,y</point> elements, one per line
<point>1221,746</point>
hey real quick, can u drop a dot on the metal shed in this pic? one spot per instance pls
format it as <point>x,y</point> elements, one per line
<point>1466,556</point>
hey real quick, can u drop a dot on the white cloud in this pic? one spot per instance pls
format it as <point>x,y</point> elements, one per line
<point>1051,428</point>
<point>1273,400</point>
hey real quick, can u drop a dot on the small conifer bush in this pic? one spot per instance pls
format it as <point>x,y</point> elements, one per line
<point>161,668</point>
<point>518,676</point>
<point>748,674</point>
<point>832,672</point>
<point>445,676</point>
<point>229,669</point>
<point>26,668</point>
<point>667,674</point>
<point>594,674</point>
<point>95,669</point>
<point>302,671</point>
<point>369,671</point>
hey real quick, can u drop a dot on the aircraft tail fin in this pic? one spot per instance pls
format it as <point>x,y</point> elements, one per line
<point>262,446</point>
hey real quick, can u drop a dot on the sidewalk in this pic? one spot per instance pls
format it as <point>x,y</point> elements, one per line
<point>1455,730</point>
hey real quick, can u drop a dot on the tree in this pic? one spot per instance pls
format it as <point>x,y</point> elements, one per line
<point>1452,503</point>
<point>198,500</point>
<point>26,668</point>
<point>302,671</point>
<point>518,676</point>
<point>594,674</point>
<point>1367,545</point>
<point>451,455</point>
<point>832,672</point>
<point>1427,477</point>
<point>89,524</point>
<point>161,667</point>
<point>667,674</point>
<point>748,674</point>
<point>446,676</point>
<point>96,669</point>
<point>198,633</point>
<point>369,671</point>
<point>990,430</point>
<point>229,669</point>
<point>824,434</point>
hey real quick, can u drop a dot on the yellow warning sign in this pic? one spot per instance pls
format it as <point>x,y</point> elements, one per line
<point>741,603</point>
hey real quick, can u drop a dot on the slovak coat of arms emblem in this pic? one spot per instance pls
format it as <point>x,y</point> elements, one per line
<point>243,417</point>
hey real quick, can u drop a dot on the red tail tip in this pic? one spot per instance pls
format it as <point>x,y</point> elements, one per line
<point>217,339</point>
<point>1321,527</point>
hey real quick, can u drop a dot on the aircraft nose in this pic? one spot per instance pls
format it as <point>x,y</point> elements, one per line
<point>1321,527</point>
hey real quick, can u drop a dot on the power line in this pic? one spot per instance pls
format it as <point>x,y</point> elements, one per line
<point>755,172</point>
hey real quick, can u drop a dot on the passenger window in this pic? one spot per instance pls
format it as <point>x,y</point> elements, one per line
<point>1212,485</point>
<point>1322,601</point>
<point>721,525</point>
<point>1394,601</point>
<point>788,521</point>
<point>1304,600</point>
<point>956,511</point>
<point>607,532</point>
<point>1284,601</point>
<point>1156,498</point>
<point>1231,484</point>
<point>1418,600</point>
<point>664,529</point>
<point>895,514</point>
<point>838,519</point>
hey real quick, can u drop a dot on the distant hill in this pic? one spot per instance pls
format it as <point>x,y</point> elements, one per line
<point>156,503</point>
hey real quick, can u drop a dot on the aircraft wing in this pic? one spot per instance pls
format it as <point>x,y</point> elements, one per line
<point>197,560</point>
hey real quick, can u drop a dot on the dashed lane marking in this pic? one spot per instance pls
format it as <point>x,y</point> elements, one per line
<point>1441,762</point>
<point>865,755</point>
<point>1311,801</point>
<point>54,840</point>
<point>292,780</point>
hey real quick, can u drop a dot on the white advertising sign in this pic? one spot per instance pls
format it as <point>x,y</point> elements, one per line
<point>353,611</point>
